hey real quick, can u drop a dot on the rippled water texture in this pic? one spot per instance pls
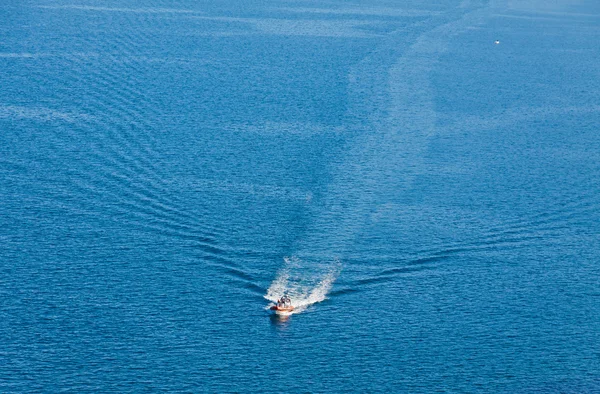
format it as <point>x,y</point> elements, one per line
<point>429,199</point>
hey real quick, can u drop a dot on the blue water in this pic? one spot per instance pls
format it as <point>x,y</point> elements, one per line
<point>429,199</point>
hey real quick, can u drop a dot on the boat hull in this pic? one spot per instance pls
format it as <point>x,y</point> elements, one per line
<point>282,311</point>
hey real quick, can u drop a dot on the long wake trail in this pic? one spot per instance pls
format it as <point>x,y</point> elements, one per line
<point>382,161</point>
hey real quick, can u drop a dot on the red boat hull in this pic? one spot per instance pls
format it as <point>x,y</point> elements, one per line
<point>281,310</point>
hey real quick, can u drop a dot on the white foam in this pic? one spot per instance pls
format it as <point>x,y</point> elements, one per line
<point>304,289</point>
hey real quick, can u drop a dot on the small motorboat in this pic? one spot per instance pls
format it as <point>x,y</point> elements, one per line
<point>283,307</point>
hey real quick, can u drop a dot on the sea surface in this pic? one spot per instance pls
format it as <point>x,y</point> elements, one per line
<point>422,178</point>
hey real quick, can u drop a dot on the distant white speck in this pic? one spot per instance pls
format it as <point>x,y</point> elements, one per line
<point>497,42</point>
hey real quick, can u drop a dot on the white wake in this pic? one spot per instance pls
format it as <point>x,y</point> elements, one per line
<point>303,291</point>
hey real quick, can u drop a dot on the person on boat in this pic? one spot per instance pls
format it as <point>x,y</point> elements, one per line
<point>283,301</point>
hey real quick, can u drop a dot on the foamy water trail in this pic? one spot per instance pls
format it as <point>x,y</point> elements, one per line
<point>302,288</point>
